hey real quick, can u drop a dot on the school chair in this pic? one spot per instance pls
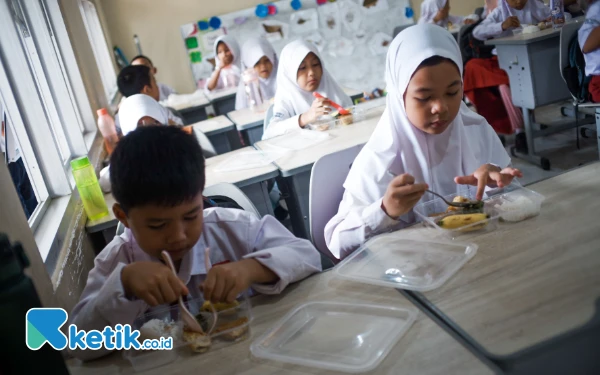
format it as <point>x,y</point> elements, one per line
<point>326,192</point>
<point>226,190</point>
<point>479,11</point>
<point>568,36</point>
<point>207,147</point>
<point>268,116</point>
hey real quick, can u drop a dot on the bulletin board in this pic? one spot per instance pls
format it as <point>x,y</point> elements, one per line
<point>351,35</point>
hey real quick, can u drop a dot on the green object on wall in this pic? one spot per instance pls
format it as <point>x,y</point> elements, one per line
<point>196,57</point>
<point>191,42</point>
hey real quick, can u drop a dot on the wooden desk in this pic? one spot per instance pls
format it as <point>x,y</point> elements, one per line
<point>425,349</point>
<point>296,166</point>
<point>193,110</point>
<point>253,182</point>
<point>219,130</point>
<point>250,123</point>
<point>223,101</point>
<point>532,62</point>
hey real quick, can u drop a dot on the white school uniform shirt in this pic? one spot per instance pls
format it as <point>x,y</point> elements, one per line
<point>398,147</point>
<point>231,235</point>
<point>165,91</point>
<point>252,51</point>
<point>592,20</point>
<point>290,100</point>
<point>229,76</point>
<point>533,13</point>
<point>429,10</point>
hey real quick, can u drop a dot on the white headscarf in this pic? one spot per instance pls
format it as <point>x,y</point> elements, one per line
<point>399,147</point>
<point>534,12</point>
<point>252,51</point>
<point>233,46</point>
<point>137,106</point>
<point>290,98</point>
<point>429,9</point>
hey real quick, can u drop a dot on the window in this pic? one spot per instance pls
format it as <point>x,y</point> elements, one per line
<point>99,47</point>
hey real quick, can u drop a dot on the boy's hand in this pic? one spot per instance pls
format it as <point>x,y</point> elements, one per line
<point>152,282</point>
<point>401,195</point>
<point>489,175</point>
<point>226,281</point>
<point>319,107</point>
<point>512,21</point>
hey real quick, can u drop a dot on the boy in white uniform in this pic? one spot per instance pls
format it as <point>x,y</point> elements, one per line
<point>163,89</point>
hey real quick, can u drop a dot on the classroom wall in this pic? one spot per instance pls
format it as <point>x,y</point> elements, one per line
<point>457,7</point>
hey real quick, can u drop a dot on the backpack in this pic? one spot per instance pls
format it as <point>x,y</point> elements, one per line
<point>574,72</point>
<point>471,47</point>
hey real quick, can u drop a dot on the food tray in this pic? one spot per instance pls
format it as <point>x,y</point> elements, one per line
<point>328,122</point>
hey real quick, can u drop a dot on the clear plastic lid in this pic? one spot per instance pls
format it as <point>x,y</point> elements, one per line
<point>249,160</point>
<point>412,264</point>
<point>345,337</point>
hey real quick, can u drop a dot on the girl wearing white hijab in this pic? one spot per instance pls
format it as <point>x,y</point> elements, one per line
<point>510,14</point>
<point>227,61</point>
<point>258,54</point>
<point>437,12</point>
<point>426,138</point>
<point>302,72</point>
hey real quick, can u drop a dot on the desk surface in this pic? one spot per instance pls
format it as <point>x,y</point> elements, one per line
<point>530,38</point>
<point>239,178</point>
<point>342,137</point>
<point>93,226</point>
<point>425,349</point>
<point>247,118</point>
<point>215,125</point>
<point>195,102</point>
<point>535,279</point>
<point>221,94</point>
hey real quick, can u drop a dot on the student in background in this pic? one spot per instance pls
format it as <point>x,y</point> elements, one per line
<point>159,198</point>
<point>427,138</point>
<point>486,85</point>
<point>301,72</point>
<point>589,41</point>
<point>438,12</point>
<point>163,89</point>
<point>227,64</point>
<point>138,79</point>
<point>257,53</point>
<point>577,8</point>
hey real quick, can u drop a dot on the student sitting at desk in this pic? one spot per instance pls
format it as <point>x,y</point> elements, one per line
<point>159,200</point>
<point>589,41</point>
<point>257,53</point>
<point>138,79</point>
<point>301,73</point>
<point>227,64</point>
<point>486,85</point>
<point>427,138</point>
<point>163,89</point>
<point>438,12</point>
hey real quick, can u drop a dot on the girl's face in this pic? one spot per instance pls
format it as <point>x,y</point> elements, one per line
<point>224,54</point>
<point>433,97</point>
<point>310,73</point>
<point>264,67</point>
<point>517,4</point>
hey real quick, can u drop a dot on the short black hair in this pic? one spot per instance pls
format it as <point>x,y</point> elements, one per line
<point>435,60</point>
<point>132,79</point>
<point>142,57</point>
<point>160,165</point>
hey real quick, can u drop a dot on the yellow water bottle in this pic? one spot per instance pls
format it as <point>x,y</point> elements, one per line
<point>89,188</point>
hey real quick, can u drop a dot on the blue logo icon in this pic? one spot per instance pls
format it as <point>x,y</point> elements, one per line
<point>43,325</point>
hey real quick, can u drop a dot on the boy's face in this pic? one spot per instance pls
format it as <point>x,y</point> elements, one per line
<point>224,54</point>
<point>264,67</point>
<point>142,61</point>
<point>157,228</point>
<point>153,91</point>
<point>517,4</point>
<point>310,73</point>
<point>433,97</point>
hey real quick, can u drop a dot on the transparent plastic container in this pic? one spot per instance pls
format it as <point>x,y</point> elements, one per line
<point>328,122</point>
<point>345,337</point>
<point>412,264</point>
<point>239,318</point>
<point>89,188</point>
<point>515,203</point>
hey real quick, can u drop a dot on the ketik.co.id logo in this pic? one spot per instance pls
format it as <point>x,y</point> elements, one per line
<point>43,326</point>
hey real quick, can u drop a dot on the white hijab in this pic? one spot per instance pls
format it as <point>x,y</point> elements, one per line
<point>533,13</point>
<point>252,51</point>
<point>429,9</point>
<point>137,106</point>
<point>233,46</point>
<point>397,146</point>
<point>290,99</point>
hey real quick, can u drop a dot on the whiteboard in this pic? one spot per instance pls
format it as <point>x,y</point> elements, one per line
<point>352,36</point>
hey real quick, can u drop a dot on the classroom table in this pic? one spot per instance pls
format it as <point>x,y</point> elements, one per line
<point>296,166</point>
<point>223,101</point>
<point>250,122</point>
<point>425,349</point>
<point>192,111</point>
<point>533,67</point>
<point>530,281</point>
<point>219,130</point>
<point>253,182</point>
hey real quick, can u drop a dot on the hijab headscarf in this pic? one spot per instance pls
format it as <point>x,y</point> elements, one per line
<point>233,46</point>
<point>252,51</point>
<point>532,13</point>
<point>430,8</point>
<point>137,106</point>
<point>397,146</point>
<point>290,99</point>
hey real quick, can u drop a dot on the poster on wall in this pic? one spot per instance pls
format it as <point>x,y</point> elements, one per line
<point>304,21</point>
<point>317,39</point>
<point>379,43</point>
<point>351,15</point>
<point>274,31</point>
<point>208,39</point>
<point>329,15</point>
<point>374,6</point>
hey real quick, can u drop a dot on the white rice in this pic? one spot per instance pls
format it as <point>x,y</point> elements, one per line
<point>518,210</point>
<point>156,328</point>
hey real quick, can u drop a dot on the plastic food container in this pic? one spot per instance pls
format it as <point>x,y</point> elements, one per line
<point>345,337</point>
<point>412,264</point>
<point>518,31</point>
<point>516,203</point>
<point>328,122</point>
<point>233,325</point>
